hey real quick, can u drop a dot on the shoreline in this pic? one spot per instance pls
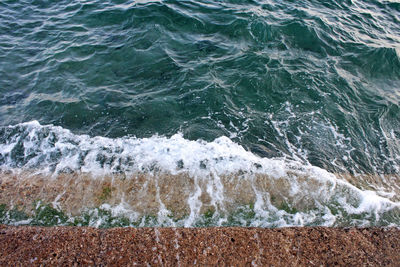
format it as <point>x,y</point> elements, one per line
<point>178,197</point>
<point>293,246</point>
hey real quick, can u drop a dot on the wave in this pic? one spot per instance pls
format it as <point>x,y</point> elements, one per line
<point>179,181</point>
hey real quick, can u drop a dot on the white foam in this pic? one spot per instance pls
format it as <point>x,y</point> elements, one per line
<point>52,148</point>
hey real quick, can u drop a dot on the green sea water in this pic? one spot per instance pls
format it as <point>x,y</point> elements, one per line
<point>315,82</point>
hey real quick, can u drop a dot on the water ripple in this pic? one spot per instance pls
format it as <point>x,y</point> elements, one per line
<point>309,80</point>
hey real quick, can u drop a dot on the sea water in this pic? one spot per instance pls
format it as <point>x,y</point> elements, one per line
<point>198,113</point>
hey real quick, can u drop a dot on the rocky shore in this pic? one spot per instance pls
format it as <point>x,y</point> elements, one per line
<point>215,246</point>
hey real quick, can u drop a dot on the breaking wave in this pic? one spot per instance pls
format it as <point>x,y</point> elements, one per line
<point>180,182</point>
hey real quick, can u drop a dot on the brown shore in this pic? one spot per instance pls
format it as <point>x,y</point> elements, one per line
<point>215,246</point>
<point>147,194</point>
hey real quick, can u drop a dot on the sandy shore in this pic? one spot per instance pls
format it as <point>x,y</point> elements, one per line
<point>301,246</point>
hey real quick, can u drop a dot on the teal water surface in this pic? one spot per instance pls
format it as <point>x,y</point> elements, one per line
<point>316,82</point>
<point>308,79</point>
